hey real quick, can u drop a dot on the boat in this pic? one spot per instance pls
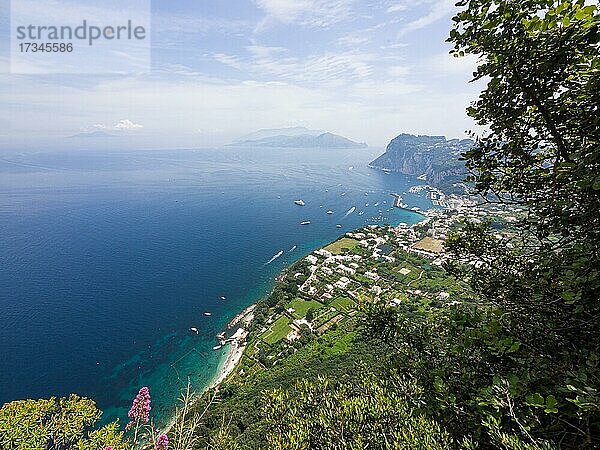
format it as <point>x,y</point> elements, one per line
<point>330,212</point>
<point>299,202</point>
<point>343,194</point>
<point>207,314</point>
<point>194,329</point>
<point>338,226</point>
<point>223,298</point>
<point>306,222</point>
<point>217,347</point>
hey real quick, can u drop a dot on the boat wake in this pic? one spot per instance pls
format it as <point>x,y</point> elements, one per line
<point>274,257</point>
<point>350,211</point>
<point>293,248</point>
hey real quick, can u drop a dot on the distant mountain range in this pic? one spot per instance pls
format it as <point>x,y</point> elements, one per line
<point>432,157</point>
<point>296,137</point>
<point>93,134</point>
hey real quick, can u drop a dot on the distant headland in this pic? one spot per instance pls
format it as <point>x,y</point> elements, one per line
<point>296,137</point>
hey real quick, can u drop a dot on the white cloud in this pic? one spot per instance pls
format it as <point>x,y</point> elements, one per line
<point>439,10</point>
<point>397,7</point>
<point>444,64</point>
<point>353,40</point>
<point>398,71</point>
<point>312,13</point>
<point>330,68</point>
<point>127,125</point>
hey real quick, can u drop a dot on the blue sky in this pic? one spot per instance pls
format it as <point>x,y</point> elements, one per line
<point>365,69</point>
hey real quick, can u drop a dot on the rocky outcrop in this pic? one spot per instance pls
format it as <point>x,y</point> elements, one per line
<point>432,157</point>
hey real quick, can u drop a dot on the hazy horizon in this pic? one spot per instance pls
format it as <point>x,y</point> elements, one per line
<point>365,70</point>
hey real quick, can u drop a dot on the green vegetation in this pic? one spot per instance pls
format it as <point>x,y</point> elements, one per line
<point>343,304</point>
<point>341,245</point>
<point>494,344</point>
<point>65,423</point>
<point>277,331</point>
<point>301,307</point>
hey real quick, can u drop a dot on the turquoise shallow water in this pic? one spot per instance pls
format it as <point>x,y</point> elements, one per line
<point>108,258</point>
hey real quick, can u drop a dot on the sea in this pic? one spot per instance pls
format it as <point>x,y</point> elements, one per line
<point>109,257</point>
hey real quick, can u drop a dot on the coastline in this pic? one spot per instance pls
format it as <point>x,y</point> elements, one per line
<point>236,345</point>
<point>237,342</point>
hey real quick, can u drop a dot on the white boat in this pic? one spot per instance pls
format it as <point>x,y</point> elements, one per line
<point>330,212</point>
<point>299,202</point>
<point>217,347</point>
<point>223,298</point>
<point>343,194</point>
<point>306,222</point>
<point>194,329</point>
<point>338,226</point>
<point>207,314</point>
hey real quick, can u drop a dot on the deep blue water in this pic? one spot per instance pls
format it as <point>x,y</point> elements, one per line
<point>108,258</point>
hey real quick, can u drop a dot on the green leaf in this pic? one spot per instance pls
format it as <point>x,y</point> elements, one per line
<point>551,405</point>
<point>535,400</point>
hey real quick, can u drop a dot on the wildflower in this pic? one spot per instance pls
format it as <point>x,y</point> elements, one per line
<point>162,443</point>
<point>108,447</point>
<point>140,411</point>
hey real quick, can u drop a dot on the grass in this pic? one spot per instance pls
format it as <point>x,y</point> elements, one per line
<point>343,304</point>
<point>430,245</point>
<point>341,244</point>
<point>277,331</point>
<point>324,316</point>
<point>302,306</point>
<point>331,322</point>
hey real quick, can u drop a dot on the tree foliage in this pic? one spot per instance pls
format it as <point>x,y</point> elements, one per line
<point>540,59</point>
<point>320,415</point>
<point>57,424</point>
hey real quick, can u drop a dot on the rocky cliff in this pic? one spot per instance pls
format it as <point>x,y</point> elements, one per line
<point>433,157</point>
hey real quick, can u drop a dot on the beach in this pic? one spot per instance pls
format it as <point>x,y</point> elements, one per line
<point>236,344</point>
<point>234,355</point>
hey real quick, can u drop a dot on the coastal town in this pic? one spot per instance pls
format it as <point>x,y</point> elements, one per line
<point>326,288</point>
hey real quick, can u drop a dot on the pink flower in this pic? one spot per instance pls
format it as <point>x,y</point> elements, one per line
<point>140,409</point>
<point>162,443</point>
<point>108,447</point>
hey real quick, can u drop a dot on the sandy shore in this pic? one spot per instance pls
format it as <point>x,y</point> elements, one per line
<point>236,350</point>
